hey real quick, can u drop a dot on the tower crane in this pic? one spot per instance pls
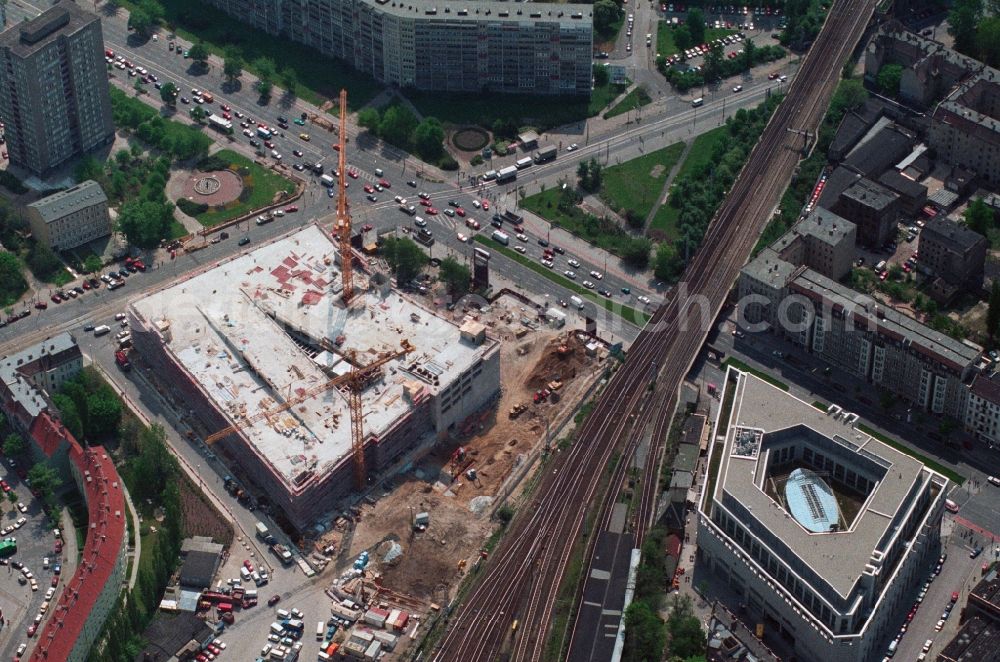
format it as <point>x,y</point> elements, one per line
<point>355,380</point>
<point>343,215</point>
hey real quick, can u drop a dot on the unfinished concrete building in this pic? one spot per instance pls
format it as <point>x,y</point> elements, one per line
<point>269,326</point>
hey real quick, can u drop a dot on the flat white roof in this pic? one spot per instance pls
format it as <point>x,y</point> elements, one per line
<point>233,327</point>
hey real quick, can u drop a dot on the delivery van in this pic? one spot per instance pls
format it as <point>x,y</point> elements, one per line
<point>577,301</point>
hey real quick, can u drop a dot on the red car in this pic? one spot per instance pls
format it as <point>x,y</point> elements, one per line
<point>425,203</point>
<point>55,299</point>
<point>291,210</point>
<point>225,108</point>
<point>352,173</point>
<point>55,580</point>
<point>4,486</point>
<point>486,205</point>
<point>432,211</point>
<point>273,600</point>
<point>41,305</point>
<point>460,211</point>
<point>772,76</point>
<point>268,144</point>
<point>368,227</point>
<point>226,116</point>
<point>385,183</point>
<point>336,147</point>
<point>85,285</point>
<point>248,565</point>
<point>369,188</point>
<point>31,629</point>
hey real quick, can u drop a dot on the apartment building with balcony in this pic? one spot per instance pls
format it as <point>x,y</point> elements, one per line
<point>475,46</point>
<point>54,95</point>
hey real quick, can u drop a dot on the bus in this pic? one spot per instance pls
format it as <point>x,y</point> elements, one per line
<point>507,174</point>
<point>8,547</point>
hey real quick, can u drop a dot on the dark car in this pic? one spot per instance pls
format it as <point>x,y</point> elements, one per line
<point>543,242</point>
<point>273,600</point>
<point>559,249</point>
<point>282,119</point>
<point>223,235</point>
<point>254,142</point>
<point>244,241</point>
<point>411,184</point>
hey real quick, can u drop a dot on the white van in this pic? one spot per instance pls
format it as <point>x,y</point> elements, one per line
<point>320,630</point>
<point>378,172</point>
<point>101,330</point>
<point>245,574</point>
<point>278,629</point>
<point>577,301</point>
<point>697,102</point>
<point>283,614</point>
<point>880,267</point>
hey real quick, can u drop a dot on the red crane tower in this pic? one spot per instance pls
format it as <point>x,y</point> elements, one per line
<point>343,215</point>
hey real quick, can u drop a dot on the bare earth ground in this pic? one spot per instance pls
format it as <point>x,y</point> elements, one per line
<point>429,568</point>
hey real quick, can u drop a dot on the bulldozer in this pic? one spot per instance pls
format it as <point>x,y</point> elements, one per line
<point>517,410</point>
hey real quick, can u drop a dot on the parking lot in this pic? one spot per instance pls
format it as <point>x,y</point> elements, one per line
<point>25,590</point>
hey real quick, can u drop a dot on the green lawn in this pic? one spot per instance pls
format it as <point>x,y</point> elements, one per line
<point>634,99</point>
<point>603,234</point>
<point>665,220</point>
<point>260,186</point>
<point>626,313</point>
<point>319,77</point>
<point>636,184</point>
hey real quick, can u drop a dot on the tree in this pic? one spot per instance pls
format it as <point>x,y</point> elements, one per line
<point>264,88</point>
<point>104,411</point>
<point>988,41</point>
<point>888,79</point>
<point>850,95</point>
<point>141,21</point>
<point>589,175</point>
<point>687,639</point>
<point>289,79</point>
<point>696,26</point>
<point>645,636</point>
<point>979,217</point>
<point>92,264</point>
<point>455,275</point>
<point>601,76</point>
<point>44,479</point>
<point>144,223</point>
<point>682,38</point>
<point>993,312</point>
<point>168,94</point>
<point>14,445</point>
<point>198,114</point>
<point>12,283</point>
<point>749,53</point>
<point>669,265</point>
<point>368,118</point>
<point>199,54</point>
<point>397,125</point>
<point>265,69</point>
<point>606,13</point>
<point>405,258</point>
<point>636,251</point>
<point>428,139</point>
<point>232,65</point>
<point>962,21</point>
<point>713,63</point>
<point>12,497</point>
<point>43,262</point>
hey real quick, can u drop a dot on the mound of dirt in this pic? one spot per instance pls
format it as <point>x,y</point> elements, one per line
<point>561,359</point>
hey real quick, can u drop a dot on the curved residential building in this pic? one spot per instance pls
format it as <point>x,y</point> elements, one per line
<point>454,46</point>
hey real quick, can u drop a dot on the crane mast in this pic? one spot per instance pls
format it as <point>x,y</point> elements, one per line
<point>343,215</point>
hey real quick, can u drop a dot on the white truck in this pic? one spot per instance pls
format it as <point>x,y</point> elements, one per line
<point>327,180</point>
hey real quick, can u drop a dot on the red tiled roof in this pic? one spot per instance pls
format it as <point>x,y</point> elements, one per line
<point>105,538</point>
<point>46,434</point>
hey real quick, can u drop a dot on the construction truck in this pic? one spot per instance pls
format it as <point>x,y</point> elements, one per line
<point>234,489</point>
<point>282,553</point>
<point>517,410</point>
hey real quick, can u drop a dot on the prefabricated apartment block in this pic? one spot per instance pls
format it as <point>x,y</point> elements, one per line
<point>263,327</point>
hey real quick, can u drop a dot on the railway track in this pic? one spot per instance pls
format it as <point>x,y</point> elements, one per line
<point>523,579</point>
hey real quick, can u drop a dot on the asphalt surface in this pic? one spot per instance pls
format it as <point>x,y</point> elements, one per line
<point>35,541</point>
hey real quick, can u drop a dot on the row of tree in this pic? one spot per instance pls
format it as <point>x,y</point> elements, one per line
<point>88,407</point>
<point>399,126</point>
<point>976,29</point>
<point>697,194</point>
<point>407,260</point>
<point>717,66</point>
